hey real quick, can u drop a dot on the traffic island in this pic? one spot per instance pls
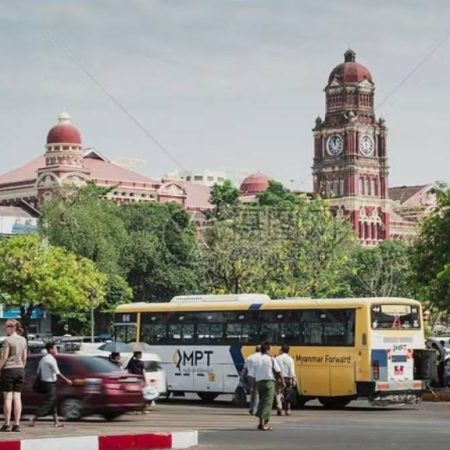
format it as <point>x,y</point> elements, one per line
<point>177,439</point>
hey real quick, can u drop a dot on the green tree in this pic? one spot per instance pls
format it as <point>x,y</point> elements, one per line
<point>383,271</point>
<point>277,196</point>
<point>225,198</point>
<point>82,220</point>
<point>431,255</point>
<point>162,257</point>
<point>295,250</point>
<point>117,292</point>
<point>34,274</point>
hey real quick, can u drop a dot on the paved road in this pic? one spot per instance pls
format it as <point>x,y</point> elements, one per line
<point>224,427</point>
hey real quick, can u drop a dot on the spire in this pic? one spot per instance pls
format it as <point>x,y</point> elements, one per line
<point>349,55</point>
<point>64,117</point>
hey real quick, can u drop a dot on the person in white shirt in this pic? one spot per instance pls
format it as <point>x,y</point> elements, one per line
<point>287,366</point>
<point>266,370</point>
<point>48,372</point>
<point>249,373</point>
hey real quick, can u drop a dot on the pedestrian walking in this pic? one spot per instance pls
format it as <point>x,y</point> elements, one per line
<point>135,366</point>
<point>248,375</point>
<point>48,373</point>
<point>266,371</point>
<point>12,366</point>
<point>114,358</point>
<point>284,394</point>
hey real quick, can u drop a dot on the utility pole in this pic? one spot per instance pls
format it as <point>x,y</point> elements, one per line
<point>92,322</point>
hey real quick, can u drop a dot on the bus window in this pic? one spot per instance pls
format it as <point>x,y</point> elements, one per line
<point>233,333</point>
<point>153,334</point>
<point>125,333</point>
<point>241,333</point>
<point>397,317</point>
<point>333,327</point>
<point>208,333</point>
<point>270,332</point>
<point>153,328</point>
<point>290,333</point>
<point>181,333</point>
<point>249,334</point>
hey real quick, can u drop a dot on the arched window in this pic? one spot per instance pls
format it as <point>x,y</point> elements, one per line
<point>361,185</point>
<point>367,182</point>
<point>341,186</point>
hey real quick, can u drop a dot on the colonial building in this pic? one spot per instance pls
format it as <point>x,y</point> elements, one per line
<point>67,162</point>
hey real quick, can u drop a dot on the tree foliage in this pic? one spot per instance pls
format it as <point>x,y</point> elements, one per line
<point>296,250</point>
<point>162,257</point>
<point>225,198</point>
<point>383,271</point>
<point>34,274</point>
<point>431,257</point>
<point>151,246</point>
<point>277,196</point>
<point>83,221</point>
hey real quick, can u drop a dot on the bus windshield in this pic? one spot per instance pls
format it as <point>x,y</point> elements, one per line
<point>395,317</point>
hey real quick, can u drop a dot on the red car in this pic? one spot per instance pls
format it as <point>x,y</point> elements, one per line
<point>99,387</point>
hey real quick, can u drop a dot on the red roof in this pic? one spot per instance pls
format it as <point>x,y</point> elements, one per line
<point>28,172</point>
<point>256,183</point>
<point>350,71</point>
<point>403,193</point>
<point>100,170</point>
<point>105,170</point>
<point>197,196</point>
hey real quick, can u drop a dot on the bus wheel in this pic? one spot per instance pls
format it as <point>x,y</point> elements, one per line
<point>207,396</point>
<point>335,402</point>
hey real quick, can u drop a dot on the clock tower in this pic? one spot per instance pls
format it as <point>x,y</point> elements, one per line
<point>350,160</point>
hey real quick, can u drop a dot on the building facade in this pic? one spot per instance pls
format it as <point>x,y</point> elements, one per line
<point>66,162</point>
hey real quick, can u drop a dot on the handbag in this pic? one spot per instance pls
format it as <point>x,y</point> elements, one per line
<point>38,384</point>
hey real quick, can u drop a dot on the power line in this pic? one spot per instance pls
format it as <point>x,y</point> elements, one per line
<point>415,69</point>
<point>70,55</point>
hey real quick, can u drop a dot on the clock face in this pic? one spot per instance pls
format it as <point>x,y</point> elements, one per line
<point>366,145</point>
<point>335,145</point>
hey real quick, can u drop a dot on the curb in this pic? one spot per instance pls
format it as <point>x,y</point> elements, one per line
<point>177,439</point>
<point>436,396</point>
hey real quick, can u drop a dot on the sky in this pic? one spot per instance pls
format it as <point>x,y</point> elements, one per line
<point>221,83</point>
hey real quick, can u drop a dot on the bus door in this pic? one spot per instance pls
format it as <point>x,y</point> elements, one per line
<point>125,327</point>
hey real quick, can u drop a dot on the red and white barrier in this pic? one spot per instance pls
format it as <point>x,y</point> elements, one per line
<point>177,439</point>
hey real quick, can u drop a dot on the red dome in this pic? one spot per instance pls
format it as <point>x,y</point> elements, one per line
<point>350,71</point>
<point>64,132</point>
<point>256,183</point>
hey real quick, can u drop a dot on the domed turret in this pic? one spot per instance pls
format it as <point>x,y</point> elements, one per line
<point>255,183</point>
<point>64,132</point>
<point>350,71</point>
<point>64,144</point>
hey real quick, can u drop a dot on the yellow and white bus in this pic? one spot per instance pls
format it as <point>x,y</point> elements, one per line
<point>343,348</point>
